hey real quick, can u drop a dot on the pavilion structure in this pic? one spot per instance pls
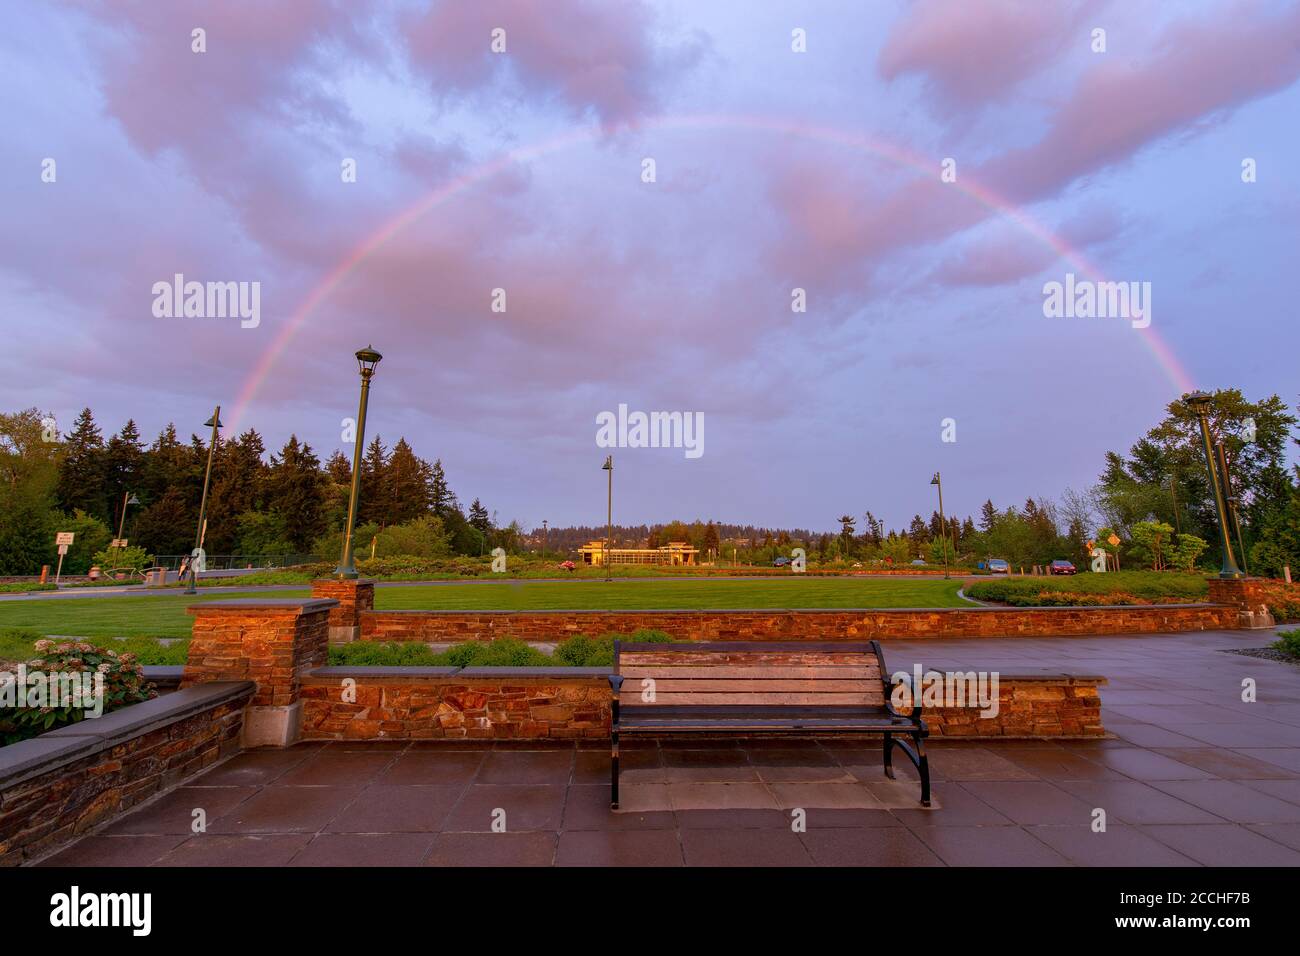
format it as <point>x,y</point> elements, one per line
<point>674,552</point>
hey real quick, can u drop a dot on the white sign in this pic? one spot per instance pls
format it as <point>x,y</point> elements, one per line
<point>117,543</point>
<point>63,549</point>
<point>64,537</point>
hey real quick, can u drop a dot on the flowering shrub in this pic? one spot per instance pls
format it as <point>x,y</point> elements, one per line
<point>34,694</point>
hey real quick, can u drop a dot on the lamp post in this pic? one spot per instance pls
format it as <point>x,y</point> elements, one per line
<point>1199,403</point>
<point>543,539</point>
<point>609,515</point>
<point>214,423</point>
<point>367,359</point>
<point>127,499</point>
<point>1221,458</point>
<point>943,524</point>
<point>1173,496</point>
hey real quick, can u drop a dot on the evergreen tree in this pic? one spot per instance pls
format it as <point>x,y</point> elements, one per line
<point>81,472</point>
<point>374,506</point>
<point>440,497</point>
<point>238,484</point>
<point>339,469</point>
<point>294,492</point>
<point>406,485</point>
<point>123,469</point>
<point>988,516</point>
<point>479,517</point>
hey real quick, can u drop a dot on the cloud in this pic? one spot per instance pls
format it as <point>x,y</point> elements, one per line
<point>1197,71</point>
<point>971,53</point>
<point>593,57</point>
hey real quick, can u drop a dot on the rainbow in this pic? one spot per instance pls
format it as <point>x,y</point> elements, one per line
<point>1164,356</point>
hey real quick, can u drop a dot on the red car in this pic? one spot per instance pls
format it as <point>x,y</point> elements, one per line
<point>567,565</point>
<point>1060,567</point>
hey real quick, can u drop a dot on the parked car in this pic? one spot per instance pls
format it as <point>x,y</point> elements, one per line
<point>918,563</point>
<point>998,566</point>
<point>1060,566</point>
<point>567,565</point>
<point>780,562</point>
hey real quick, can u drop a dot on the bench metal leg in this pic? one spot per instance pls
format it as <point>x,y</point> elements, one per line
<point>613,771</point>
<point>915,752</point>
<point>923,767</point>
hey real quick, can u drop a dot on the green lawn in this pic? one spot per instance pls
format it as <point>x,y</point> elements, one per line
<point>164,616</point>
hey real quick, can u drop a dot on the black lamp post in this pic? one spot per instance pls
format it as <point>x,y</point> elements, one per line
<point>943,524</point>
<point>367,359</point>
<point>127,499</point>
<point>1199,403</point>
<point>609,516</point>
<point>214,423</point>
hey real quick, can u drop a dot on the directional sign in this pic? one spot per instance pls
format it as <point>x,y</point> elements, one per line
<point>1113,540</point>
<point>64,537</point>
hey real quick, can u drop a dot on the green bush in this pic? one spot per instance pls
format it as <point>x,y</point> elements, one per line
<point>123,684</point>
<point>13,587</point>
<point>1288,642</point>
<point>1155,586</point>
<point>577,651</point>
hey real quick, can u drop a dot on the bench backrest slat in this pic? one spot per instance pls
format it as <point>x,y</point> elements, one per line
<point>713,675</point>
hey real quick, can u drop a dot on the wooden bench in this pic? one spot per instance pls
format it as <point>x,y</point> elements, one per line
<point>760,688</point>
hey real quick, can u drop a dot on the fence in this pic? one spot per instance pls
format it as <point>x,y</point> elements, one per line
<point>228,562</point>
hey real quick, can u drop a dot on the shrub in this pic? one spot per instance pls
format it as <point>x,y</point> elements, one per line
<point>577,651</point>
<point>1137,586</point>
<point>130,557</point>
<point>23,586</point>
<point>1288,642</point>
<point>123,684</point>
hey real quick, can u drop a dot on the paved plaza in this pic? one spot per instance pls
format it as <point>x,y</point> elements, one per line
<point>1190,775</point>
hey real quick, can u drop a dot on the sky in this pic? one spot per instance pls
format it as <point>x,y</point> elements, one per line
<point>650,184</point>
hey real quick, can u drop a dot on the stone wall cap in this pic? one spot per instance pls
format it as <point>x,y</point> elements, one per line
<point>973,608</point>
<point>57,748</point>
<point>301,605</point>
<point>583,672</point>
<point>406,673</point>
<point>316,581</point>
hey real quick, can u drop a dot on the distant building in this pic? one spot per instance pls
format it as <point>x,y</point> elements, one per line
<point>674,552</point>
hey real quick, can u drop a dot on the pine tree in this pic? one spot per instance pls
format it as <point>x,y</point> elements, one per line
<point>406,485</point>
<point>440,497</point>
<point>375,505</point>
<point>123,469</point>
<point>81,472</point>
<point>479,517</point>
<point>238,485</point>
<point>339,469</point>
<point>295,491</point>
<point>988,516</point>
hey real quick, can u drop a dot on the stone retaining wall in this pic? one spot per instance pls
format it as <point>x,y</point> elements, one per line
<point>791,625</point>
<point>382,703</point>
<point>57,786</point>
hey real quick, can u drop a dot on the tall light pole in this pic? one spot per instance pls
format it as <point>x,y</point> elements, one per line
<point>609,516</point>
<point>1221,457</point>
<point>543,539</point>
<point>214,423</point>
<point>1199,403</point>
<point>127,499</point>
<point>367,359</point>
<point>943,524</point>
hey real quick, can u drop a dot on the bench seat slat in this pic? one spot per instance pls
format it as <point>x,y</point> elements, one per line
<point>672,685</point>
<point>745,672</point>
<point>749,697</point>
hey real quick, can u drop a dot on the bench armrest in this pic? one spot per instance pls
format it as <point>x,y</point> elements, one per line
<point>903,678</point>
<point>615,685</point>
